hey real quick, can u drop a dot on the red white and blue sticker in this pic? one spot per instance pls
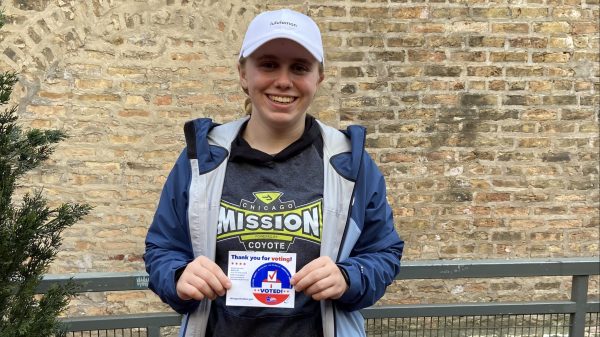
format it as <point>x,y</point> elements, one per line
<point>271,284</point>
<point>261,279</point>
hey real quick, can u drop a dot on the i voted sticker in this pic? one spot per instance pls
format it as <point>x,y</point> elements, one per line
<point>271,284</point>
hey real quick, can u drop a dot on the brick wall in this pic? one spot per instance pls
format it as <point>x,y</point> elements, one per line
<point>483,115</point>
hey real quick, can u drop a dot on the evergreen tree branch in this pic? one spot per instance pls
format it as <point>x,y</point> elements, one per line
<point>7,82</point>
<point>30,233</point>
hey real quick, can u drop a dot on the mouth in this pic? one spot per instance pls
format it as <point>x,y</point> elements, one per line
<point>281,99</point>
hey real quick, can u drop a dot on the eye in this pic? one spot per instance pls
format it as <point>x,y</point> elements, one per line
<point>268,65</point>
<point>300,68</point>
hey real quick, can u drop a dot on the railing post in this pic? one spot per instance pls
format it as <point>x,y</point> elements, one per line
<point>579,289</point>
<point>153,331</point>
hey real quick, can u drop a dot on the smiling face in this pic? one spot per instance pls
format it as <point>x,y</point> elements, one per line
<point>281,78</point>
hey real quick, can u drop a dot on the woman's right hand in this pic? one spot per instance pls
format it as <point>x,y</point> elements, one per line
<point>202,278</point>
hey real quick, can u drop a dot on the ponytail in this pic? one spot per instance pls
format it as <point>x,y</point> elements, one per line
<point>248,106</point>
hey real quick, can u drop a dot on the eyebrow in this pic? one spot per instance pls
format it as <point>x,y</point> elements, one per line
<point>271,56</point>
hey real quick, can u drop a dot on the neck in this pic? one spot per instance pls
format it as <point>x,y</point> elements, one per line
<point>271,140</point>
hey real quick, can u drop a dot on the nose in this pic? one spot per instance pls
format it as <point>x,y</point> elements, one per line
<point>283,80</point>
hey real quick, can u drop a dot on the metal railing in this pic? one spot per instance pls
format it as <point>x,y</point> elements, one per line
<point>456,319</point>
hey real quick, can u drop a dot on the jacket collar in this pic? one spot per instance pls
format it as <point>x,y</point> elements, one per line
<point>241,151</point>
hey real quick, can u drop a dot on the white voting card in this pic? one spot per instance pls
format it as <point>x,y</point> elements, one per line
<point>261,279</point>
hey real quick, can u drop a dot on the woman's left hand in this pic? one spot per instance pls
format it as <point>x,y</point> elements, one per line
<point>321,279</point>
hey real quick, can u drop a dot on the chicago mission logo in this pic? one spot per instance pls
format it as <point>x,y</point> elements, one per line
<point>271,284</point>
<point>268,223</point>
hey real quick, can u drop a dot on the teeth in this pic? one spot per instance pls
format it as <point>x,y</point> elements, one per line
<point>281,99</point>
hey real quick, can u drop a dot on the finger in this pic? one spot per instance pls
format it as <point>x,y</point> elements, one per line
<point>211,280</point>
<point>220,276</point>
<point>331,281</point>
<point>318,286</point>
<point>303,272</point>
<point>203,287</point>
<point>312,278</point>
<point>329,293</point>
<point>216,271</point>
<point>308,269</point>
<point>330,288</point>
<point>198,281</point>
<point>186,291</point>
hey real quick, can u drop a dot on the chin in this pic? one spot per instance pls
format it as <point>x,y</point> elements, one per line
<point>284,119</point>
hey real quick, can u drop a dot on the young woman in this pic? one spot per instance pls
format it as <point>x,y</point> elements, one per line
<point>278,181</point>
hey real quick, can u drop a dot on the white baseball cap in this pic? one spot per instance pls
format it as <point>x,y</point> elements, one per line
<point>286,24</point>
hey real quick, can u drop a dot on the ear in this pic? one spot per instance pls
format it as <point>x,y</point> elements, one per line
<point>242,74</point>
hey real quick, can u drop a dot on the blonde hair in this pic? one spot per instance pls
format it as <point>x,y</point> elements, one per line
<point>248,105</point>
<point>248,101</point>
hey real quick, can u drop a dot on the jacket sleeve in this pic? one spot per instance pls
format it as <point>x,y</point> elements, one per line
<point>168,245</point>
<point>374,260</point>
